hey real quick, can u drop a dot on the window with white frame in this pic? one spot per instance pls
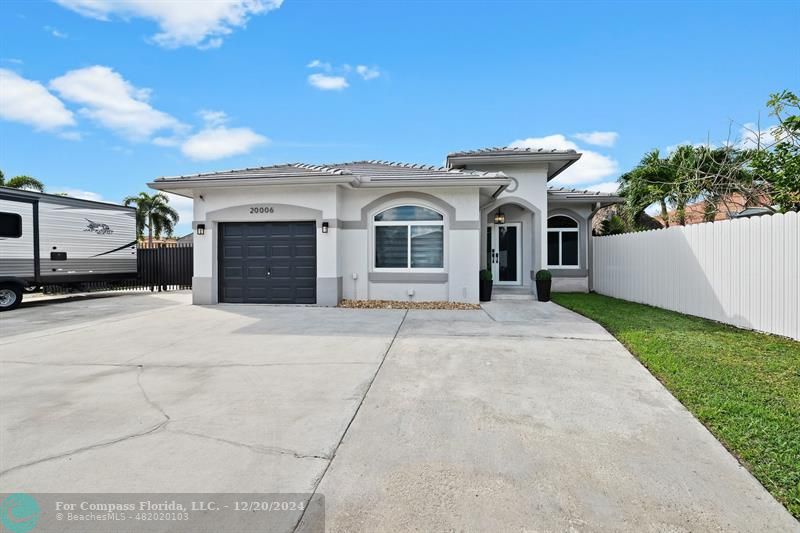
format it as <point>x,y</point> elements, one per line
<point>409,237</point>
<point>562,242</point>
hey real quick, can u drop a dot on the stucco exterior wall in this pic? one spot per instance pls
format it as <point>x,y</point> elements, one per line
<point>577,279</point>
<point>345,253</point>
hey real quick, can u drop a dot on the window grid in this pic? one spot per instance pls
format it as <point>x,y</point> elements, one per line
<point>560,243</point>
<point>408,224</point>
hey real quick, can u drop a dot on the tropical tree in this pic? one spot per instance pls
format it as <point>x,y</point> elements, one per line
<point>650,182</point>
<point>153,214</point>
<point>21,182</point>
<point>778,166</point>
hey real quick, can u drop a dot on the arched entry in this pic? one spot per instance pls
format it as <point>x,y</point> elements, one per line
<point>510,240</point>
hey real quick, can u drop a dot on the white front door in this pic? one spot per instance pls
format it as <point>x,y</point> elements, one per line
<point>504,252</point>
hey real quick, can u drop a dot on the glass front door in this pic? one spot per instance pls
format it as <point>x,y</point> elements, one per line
<point>504,253</point>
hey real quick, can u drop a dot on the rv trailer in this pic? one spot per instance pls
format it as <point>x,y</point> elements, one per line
<point>47,239</point>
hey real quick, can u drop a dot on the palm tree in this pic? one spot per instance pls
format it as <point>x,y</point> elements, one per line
<point>153,213</point>
<point>21,182</point>
<point>651,182</point>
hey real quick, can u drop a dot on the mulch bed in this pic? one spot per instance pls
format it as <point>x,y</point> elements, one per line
<point>397,304</point>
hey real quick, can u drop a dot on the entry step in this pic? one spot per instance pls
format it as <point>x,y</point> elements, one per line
<point>512,294</point>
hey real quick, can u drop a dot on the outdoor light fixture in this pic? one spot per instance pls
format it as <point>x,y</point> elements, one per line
<point>324,227</point>
<point>499,218</point>
<point>201,229</point>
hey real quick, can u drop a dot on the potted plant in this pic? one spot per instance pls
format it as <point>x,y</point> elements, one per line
<point>485,285</point>
<point>543,281</point>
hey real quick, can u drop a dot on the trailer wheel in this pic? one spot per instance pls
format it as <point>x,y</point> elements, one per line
<point>10,296</point>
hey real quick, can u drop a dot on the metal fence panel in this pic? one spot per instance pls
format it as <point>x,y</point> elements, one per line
<point>160,268</point>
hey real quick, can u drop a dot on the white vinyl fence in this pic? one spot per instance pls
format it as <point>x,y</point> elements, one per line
<point>743,272</point>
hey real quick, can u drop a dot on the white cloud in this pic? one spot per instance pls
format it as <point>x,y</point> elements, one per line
<point>71,135</point>
<point>78,193</point>
<point>608,186</point>
<point>590,168</point>
<point>367,73</point>
<point>336,78</point>
<point>598,138</point>
<point>55,32</point>
<point>114,102</point>
<point>199,23</point>
<point>13,60</point>
<point>316,63</point>
<point>328,83</point>
<point>220,142</point>
<point>29,102</point>
<point>213,118</point>
<point>751,136</point>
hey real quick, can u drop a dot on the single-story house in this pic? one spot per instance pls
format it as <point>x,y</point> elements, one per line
<point>315,234</point>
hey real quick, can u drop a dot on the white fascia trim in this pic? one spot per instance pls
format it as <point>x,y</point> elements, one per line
<point>512,158</point>
<point>247,182</point>
<point>437,182</point>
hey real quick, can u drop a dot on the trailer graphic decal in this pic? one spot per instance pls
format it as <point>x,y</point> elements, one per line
<point>97,227</point>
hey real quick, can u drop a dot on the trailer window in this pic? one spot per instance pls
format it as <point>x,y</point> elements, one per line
<point>10,225</point>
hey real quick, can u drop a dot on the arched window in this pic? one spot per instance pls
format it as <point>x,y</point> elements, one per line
<point>562,242</point>
<point>409,237</point>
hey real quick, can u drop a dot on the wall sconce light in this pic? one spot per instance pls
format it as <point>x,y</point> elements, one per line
<point>324,227</point>
<point>201,229</point>
<point>499,218</point>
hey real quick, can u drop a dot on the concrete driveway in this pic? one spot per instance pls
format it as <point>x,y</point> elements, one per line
<point>521,416</point>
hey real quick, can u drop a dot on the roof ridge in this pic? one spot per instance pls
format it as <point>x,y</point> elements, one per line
<point>419,166</point>
<point>512,149</point>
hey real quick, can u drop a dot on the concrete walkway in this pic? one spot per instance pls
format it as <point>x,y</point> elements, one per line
<point>520,416</point>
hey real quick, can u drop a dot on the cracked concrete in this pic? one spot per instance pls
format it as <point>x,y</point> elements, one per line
<point>147,393</point>
<point>518,416</point>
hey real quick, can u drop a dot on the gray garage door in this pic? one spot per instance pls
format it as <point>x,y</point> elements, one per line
<point>268,262</point>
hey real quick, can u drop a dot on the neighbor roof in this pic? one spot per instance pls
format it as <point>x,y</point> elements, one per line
<point>582,195</point>
<point>355,173</point>
<point>557,160</point>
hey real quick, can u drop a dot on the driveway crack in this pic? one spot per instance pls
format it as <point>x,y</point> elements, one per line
<point>102,444</point>
<point>252,447</point>
<point>150,402</point>
<point>352,418</point>
<point>82,449</point>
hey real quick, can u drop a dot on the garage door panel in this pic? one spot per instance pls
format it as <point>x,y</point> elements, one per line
<point>305,272</point>
<point>281,251</point>
<point>233,273</point>
<point>255,251</point>
<point>305,251</point>
<point>287,250</point>
<point>233,252</point>
<point>256,272</point>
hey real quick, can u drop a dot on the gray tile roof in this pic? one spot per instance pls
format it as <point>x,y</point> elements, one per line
<point>508,150</point>
<point>567,190</point>
<point>565,193</point>
<point>392,169</point>
<point>288,170</point>
<point>367,170</point>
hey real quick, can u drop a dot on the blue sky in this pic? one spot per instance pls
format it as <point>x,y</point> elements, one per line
<point>97,98</point>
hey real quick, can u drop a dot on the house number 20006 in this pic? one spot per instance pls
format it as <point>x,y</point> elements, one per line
<point>254,210</point>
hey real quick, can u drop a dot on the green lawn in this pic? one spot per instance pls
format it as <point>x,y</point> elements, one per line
<point>744,386</point>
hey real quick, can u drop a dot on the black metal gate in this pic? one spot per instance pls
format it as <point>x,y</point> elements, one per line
<point>166,266</point>
<point>162,267</point>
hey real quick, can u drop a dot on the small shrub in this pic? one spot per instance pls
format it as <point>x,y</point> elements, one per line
<point>544,275</point>
<point>485,275</point>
